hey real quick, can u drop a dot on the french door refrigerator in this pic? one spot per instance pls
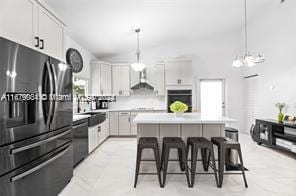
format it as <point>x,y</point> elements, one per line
<point>36,155</point>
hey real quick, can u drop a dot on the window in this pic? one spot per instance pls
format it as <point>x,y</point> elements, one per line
<point>80,86</point>
<point>212,97</point>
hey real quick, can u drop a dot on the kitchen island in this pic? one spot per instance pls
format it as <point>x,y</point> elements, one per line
<point>161,125</point>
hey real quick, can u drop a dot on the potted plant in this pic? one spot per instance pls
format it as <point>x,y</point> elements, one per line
<point>280,106</point>
<point>178,108</point>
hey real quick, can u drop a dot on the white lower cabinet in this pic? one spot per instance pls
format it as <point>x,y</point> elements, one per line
<point>113,125</point>
<point>124,123</point>
<point>133,126</point>
<point>93,137</point>
<point>104,133</point>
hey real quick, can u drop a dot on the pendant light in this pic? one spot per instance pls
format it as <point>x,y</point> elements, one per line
<point>247,60</point>
<point>138,66</point>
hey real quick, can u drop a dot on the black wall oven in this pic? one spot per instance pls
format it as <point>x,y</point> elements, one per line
<point>184,96</point>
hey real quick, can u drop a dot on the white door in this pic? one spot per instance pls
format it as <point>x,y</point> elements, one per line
<point>125,80</point>
<point>51,34</point>
<point>250,101</point>
<point>212,97</point>
<point>95,79</point>
<point>18,21</point>
<point>159,79</point>
<point>106,79</point>
<point>116,80</point>
<point>124,125</point>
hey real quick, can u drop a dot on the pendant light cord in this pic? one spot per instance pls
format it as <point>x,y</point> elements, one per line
<point>138,47</point>
<point>246,33</point>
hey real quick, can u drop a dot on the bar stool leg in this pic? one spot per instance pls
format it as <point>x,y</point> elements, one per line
<point>212,155</point>
<point>204,158</point>
<point>182,164</point>
<point>194,152</point>
<point>139,155</point>
<point>221,161</point>
<point>242,166</point>
<point>184,159</point>
<point>165,163</point>
<point>156,154</point>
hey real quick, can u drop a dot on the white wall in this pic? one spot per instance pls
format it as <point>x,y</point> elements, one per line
<point>211,58</point>
<point>273,33</point>
<point>85,72</point>
<point>86,55</point>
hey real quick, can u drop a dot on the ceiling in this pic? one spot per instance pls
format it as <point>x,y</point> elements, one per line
<point>106,27</point>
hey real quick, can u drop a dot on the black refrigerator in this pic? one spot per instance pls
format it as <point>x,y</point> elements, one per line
<point>36,154</point>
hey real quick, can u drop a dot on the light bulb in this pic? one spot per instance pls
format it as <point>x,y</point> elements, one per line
<point>138,66</point>
<point>237,63</point>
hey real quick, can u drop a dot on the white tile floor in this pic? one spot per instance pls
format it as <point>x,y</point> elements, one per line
<point>109,171</point>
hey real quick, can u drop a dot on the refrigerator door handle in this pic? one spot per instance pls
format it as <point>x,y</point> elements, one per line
<point>38,167</point>
<point>39,143</point>
<point>55,90</point>
<point>51,92</point>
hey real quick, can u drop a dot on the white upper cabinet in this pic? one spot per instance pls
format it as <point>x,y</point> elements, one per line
<point>106,79</point>
<point>178,73</point>
<point>51,34</point>
<point>121,80</point>
<point>159,86</point>
<point>28,22</point>
<point>18,21</point>
<point>101,78</point>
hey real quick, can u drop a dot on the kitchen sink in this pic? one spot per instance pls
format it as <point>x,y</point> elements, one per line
<point>95,118</point>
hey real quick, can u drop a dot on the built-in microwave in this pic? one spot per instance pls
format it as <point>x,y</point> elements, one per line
<point>184,96</point>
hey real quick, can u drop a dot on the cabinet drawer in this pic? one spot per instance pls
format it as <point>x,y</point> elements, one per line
<point>124,113</point>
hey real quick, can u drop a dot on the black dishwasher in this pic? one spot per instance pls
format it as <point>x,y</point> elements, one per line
<point>80,140</point>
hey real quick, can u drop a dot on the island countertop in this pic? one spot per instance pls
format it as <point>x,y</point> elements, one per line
<point>186,118</point>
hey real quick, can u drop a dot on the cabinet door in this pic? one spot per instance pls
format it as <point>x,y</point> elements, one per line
<point>185,72</point>
<point>51,31</point>
<point>124,124</point>
<point>159,79</point>
<point>18,21</point>
<point>95,79</point>
<point>172,73</point>
<point>106,79</point>
<point>113,123</point>
<point>133,126</point>
<point>125,80</point>
<point>116,80</point>
<point>92,138</point>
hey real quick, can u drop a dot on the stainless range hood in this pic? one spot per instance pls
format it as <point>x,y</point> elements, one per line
<point>142,85</point>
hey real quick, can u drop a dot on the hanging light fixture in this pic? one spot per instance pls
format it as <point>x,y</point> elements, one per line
<point>138,66</point>
<point>247,60</point>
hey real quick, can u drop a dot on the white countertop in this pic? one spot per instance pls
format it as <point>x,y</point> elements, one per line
<point>128,109</point>
<point>77,117</point>
<point>186,118</point>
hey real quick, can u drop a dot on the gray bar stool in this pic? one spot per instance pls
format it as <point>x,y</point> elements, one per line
<point>207,150</point>
<point>225,144</point>
<point>174,143</point>
<point>148,143</point>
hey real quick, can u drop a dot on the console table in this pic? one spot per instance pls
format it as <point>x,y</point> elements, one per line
<point>274,134</point>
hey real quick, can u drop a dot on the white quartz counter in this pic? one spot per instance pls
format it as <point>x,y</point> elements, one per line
<point>80,116</point>
<point>186,118</point>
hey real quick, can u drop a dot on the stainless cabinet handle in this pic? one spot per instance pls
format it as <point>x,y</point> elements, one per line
<point>99,128</point>
<point>179,81</point>
<point>102,92</point>
<point>156,92</point>
<point>16,150</point>
<point>80,125</point>
<point>34,169</point>
<point>129,119</point>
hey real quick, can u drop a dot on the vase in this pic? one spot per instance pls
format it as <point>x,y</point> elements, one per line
<point>179,114</point>
<point>280,117</point>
